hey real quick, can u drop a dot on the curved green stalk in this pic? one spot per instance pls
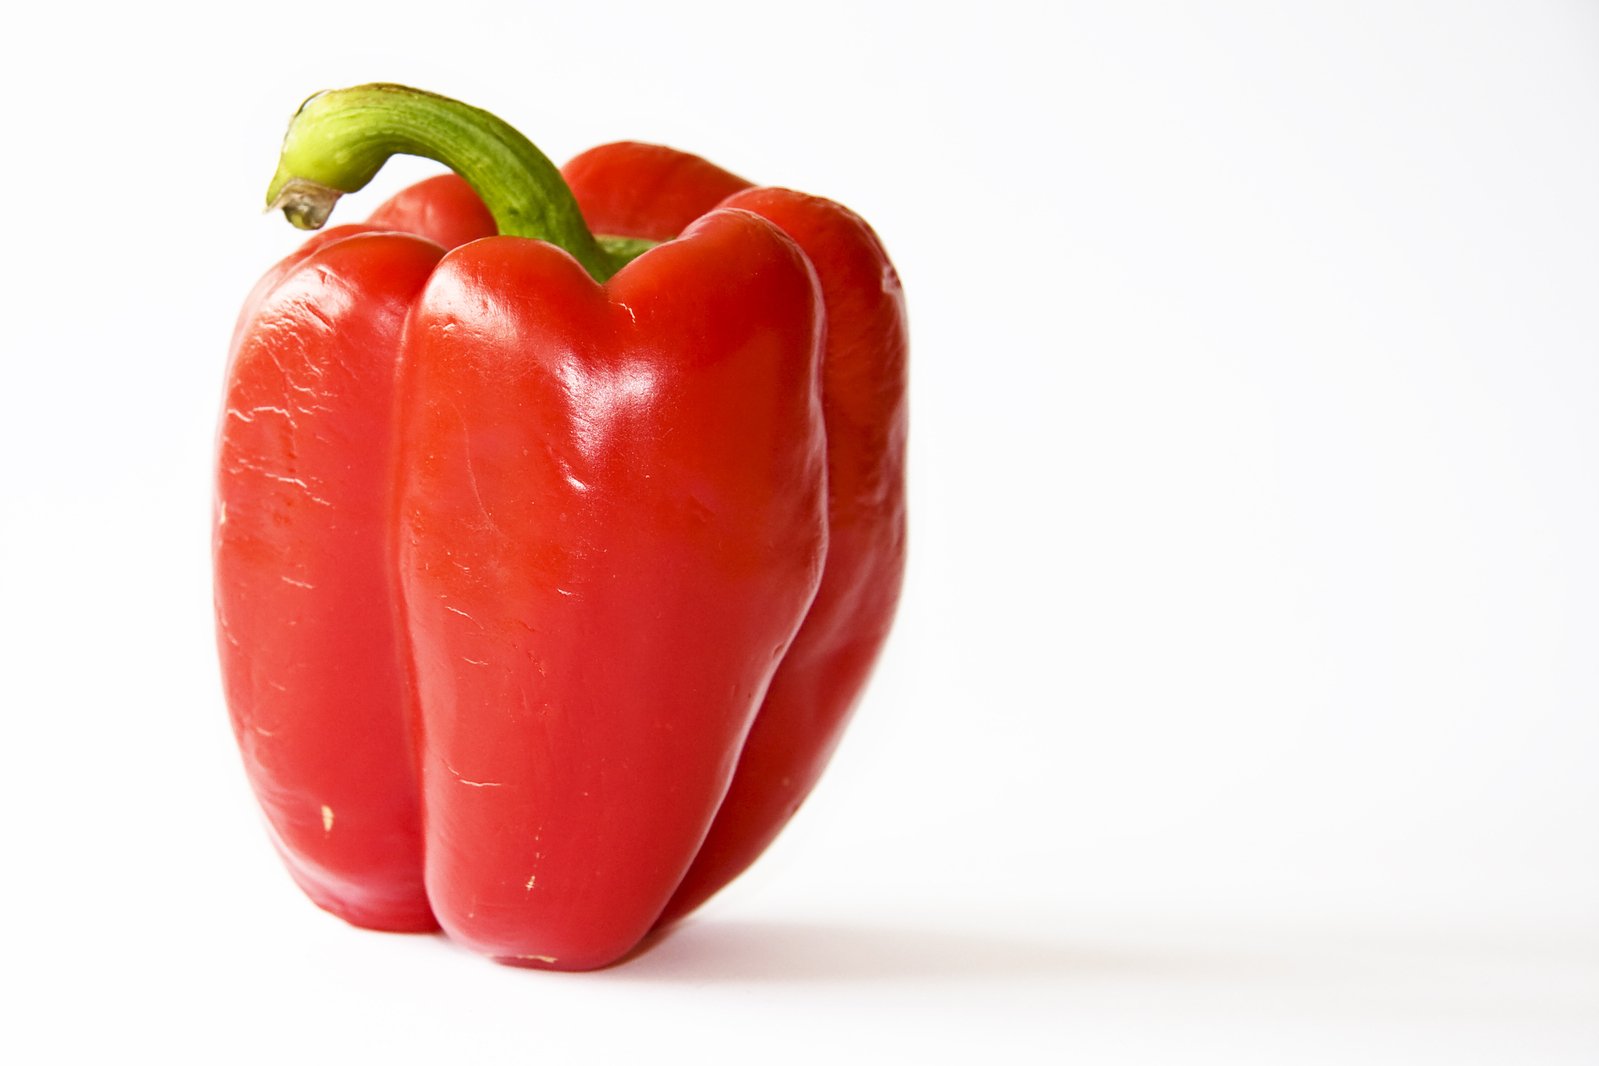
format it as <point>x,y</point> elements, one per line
<point>339,139</point>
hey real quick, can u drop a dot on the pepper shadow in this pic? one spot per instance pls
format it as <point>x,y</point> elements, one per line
<point>744,951</point>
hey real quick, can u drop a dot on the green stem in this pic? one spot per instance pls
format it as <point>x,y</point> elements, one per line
<point>339,139</point>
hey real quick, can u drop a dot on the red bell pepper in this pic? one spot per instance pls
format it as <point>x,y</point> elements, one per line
<point>548,570</point>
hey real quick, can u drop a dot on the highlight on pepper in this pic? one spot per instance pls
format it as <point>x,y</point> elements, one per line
<point>560,518</point>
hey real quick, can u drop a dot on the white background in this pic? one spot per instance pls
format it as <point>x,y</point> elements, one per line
<point>1242,704</point>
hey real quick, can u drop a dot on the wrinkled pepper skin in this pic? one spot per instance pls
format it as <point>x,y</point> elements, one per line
<point>541,601</point>
<point>313,662</point>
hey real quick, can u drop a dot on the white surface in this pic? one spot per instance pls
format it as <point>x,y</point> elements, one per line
<point>1242,707</point>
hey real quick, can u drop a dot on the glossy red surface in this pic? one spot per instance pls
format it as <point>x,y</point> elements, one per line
<point>597,572</point>
<point>640,190</point>
<point>443,209</point>
<point>611,525</point>
<point>632,189</point>
<point>312,659</point>
<point>821,678</point>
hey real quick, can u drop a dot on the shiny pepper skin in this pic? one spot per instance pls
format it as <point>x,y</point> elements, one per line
<point>542,603</point>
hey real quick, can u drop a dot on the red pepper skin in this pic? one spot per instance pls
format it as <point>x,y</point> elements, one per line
<point>612,522</point>
<point>629,571</point>
<point>641,190</point>
<point>632,189</point>
<point>821,677</point>
<point>310,651</point>
<point>444,209</point>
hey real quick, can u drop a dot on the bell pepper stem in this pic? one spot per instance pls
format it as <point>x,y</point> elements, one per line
<point>339,139</point>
